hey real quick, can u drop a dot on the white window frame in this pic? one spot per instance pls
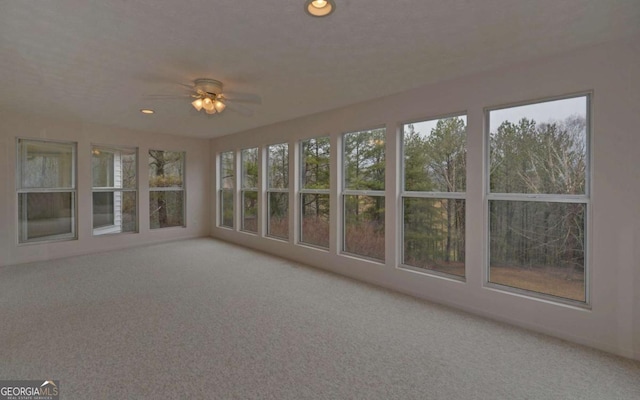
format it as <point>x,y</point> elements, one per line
<point>182,189</point>
<point>222,190</point>
<point>244,190</point>
<point>546,198</point>
<point>23,239</point>
<point>427,195</point>
<point>115,228</point>
<point>270,190</point>
<point>302,191</point>
<point>353,192</point>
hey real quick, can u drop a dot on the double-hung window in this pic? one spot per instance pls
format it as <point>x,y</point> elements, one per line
<point>166,189</point>
<point>433,196</point>
<point>314,192</point>
<point>538,196</point>
<point>363,161</point>
<point>46,184</point>
<point>226,179</point>
<point>278,190</point>
<point>114,175</point>
<point>249,189</point>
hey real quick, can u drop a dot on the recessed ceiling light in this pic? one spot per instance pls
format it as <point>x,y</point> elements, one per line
<point>319,8</point>
<point>146,111</point>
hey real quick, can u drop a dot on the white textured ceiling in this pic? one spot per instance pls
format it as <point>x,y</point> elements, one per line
<point>98,61</point>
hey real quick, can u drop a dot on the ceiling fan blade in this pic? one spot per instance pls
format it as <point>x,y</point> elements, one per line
<point>190,87</point>
<point>242,97</point>
<point>240,109</point>
<point>167,96</point>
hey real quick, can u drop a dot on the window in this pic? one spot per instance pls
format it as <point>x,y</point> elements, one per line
<point>114,190</point>
<point>278,190</point>
<point>227,183</point>
<point>46,191</point>
<point>538,196</point>
<point>250,190</point>
<point>314,192</point>
<point>166,188</point>
<point>433,204</point>
<point>363,193</point>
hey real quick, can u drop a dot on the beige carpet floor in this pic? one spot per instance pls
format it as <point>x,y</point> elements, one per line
<point>203,319</point>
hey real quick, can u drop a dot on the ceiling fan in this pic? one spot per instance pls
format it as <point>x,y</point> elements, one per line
<point>207,96</point>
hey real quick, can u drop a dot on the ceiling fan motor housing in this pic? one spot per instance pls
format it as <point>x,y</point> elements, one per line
<point>211,86</point>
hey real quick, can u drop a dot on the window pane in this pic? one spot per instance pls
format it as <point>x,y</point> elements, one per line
<point>434,234</point>
<point>278,214</point>
<point>364,226</point>
<point>129,169</point>
<point>114,212</point>
<point>250,211</point>
<point>166,208</point>
<point>539,148</point>
<point>103,208</point>
<point>166,168</point>
<point>113,168</point>
<point>226,206</point>
<point>315,163</point>
<point>364,160</point>
<point>128,215</point>
<point>250,168</point>
<point>46,164</point>
<point>226,170</point>
<point>538,246</point>
<point>435,155</point>
<point>46,216</point>
<point>102,165</point>
<point>278,166</point>
<point>315,219</point>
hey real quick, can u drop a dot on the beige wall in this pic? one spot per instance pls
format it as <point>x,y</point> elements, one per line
<point>14,125</point>
<point>611,72</point>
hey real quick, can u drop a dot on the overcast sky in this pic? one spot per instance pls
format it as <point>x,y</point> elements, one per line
<point>557,110</point>
<point>424,128</point>
<point>550,111</point>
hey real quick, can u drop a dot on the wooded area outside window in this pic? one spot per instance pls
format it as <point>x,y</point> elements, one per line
<point>433,195</point>
<point>538,197</point>
<point>249,189</point>
<point>166,188</point>
<point>46,186</point>
<point>226,183</point>
<point>537,173</point>
<point>363,162</point>
<point>314,191</point>
<point>278,190</point>
<point>114,190</point>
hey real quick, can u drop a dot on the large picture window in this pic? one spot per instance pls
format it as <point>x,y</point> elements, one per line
<point>538,197</point>
<point>278,190</point>
<point>114,190</point>
<point>314,192</point>
<point>166,189</point>
<point>46,190</point>
<point>363,193</point>
<point>250,190</point>
<point>433,196</point>
<point>226,181</point>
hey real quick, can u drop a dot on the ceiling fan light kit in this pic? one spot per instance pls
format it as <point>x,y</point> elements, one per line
<point>319,8</point>
<point>208,96</point>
